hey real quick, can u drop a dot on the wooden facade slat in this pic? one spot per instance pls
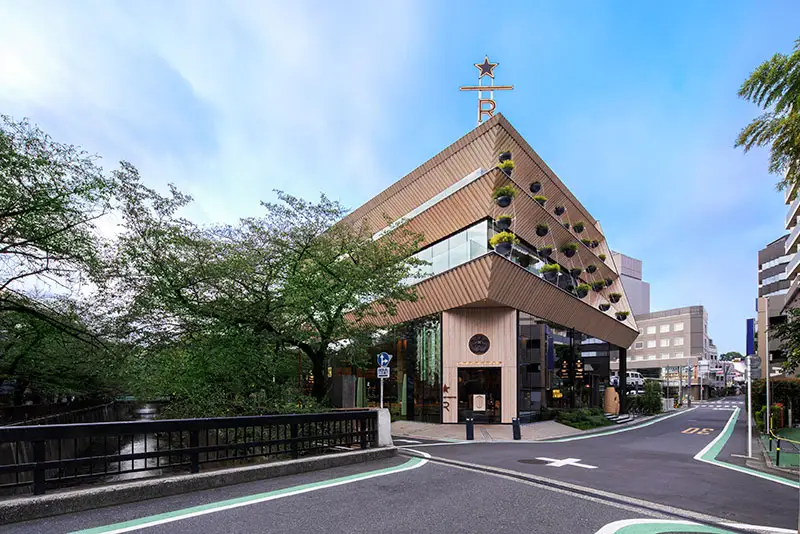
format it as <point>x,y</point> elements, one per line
<point>498,280</point>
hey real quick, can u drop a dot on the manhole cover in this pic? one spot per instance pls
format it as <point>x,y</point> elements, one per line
<point>532,461</point>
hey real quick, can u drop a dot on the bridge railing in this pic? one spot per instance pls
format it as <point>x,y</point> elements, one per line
<point>38,458</point>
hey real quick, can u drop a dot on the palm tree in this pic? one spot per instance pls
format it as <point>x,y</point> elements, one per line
<point>775,87</point>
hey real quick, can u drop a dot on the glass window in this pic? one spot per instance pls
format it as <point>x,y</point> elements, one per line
<point>441,262</point>
<point>651,356</point>
<point>664,328</point>
<point>678,341</point>
<point>679,355</point>
<point>638,345</point>
<point>678,327</point>
<point>458,254</point>
<point>651,329</point>
<point>665,356</point>
<point>665,342</point>
<point>651,343</point>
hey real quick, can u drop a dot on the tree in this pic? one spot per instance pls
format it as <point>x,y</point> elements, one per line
<point>789,334</point>
<point>296,280</point>
<point>775,87</point>
<point>730,356</point>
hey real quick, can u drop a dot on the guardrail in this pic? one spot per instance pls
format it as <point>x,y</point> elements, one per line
<point>49,456</point>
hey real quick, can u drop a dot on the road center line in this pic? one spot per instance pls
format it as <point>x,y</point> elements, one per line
<point>186,513</point>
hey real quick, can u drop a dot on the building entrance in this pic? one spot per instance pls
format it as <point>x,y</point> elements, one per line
<point>479,394</point>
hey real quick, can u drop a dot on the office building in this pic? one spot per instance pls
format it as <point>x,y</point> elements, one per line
<point>636,289</point>
<point>495,333</point>
<point>774,286</point>
<point>668,342</point>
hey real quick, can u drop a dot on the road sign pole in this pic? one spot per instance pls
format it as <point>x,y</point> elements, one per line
<point>765,363</point>
<point>750,413</point>
<point>381,393</point>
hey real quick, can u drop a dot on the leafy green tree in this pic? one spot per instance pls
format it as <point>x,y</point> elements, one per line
<point>789,335</point>
<point>730,356</point>
<point>775,87</point>
<point>294,280</point>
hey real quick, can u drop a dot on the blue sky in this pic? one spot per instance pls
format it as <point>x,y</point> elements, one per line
<point>633,104</point>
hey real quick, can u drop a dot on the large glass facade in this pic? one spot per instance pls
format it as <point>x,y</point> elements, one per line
<point>413,391</point>
<point>453,251</point>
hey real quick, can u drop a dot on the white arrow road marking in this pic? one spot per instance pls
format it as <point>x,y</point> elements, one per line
<point>567,461</point>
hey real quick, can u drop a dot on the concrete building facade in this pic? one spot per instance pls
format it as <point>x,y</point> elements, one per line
<point>668,341</point>
<point>774,288</point>
<point>636,289</point>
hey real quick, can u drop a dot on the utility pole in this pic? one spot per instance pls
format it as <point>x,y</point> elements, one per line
<point>750,416</point>
<point>766,365</point>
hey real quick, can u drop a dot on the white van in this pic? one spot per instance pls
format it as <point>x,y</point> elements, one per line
<point>633,379</point>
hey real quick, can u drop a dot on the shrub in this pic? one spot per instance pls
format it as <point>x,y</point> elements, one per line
<point>599,285</point>
<point>578,226</point>
<point>650,401</point>
<point>540,199</point>
<point>550,268</point>
<point>504,191</point>
<point>614,297</point>
<point>504,216</point>
<point>507,164</point>
<point>575,271</point>
<point>583,290</point>
<point>602,257</point>
<point>583,418</point>
<point>569,246</point>
<point>546,250</point>
<point>587,242</point>
<point>503,237</point>
<point>591,268</point>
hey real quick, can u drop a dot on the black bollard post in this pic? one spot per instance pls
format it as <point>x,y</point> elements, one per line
<point>470,429</point>
<point>516,429</point>
<point>778,453</point>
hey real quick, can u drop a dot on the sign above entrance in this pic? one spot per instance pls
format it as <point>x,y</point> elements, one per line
<point>486,106</point>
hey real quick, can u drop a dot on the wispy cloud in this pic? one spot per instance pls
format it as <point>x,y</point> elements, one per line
<point>229,100</point>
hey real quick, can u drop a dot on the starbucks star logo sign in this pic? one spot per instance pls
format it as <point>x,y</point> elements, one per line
<point>486,68</point>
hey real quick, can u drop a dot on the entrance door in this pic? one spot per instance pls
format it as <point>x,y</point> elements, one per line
<point>479,393</point>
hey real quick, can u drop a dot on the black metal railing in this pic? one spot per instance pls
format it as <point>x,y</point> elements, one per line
<point>52,456</point>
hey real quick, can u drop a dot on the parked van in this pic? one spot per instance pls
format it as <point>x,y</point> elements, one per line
<point>633,380</point>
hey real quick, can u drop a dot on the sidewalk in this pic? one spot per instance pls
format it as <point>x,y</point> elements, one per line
<point>457,432</point>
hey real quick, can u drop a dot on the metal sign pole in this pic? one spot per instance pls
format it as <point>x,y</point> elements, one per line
<point>765,363</point>
<point>381,393</point>
<point>749,411</point>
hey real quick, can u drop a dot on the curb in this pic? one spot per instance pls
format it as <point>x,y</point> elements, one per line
<point>27,508</point>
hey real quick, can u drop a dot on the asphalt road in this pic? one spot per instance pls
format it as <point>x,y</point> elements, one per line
<point>655,463</point>
<point>403,494</point>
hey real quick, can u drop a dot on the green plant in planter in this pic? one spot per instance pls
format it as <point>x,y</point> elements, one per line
<point>542,229</point>
<point>602,257</point>
<point>504,156</point>
<point>507,165</point>
<point>614,297</point>
<point>575,271</point>
<point>569,249</point>
<point>559,210</point>
<point>578,227</point>
<point>595,243</point>
<point>503,237</point>
<point>591,268</point>
<point>540,199</point>
<point>566,225</point>
<point>609,281</point>
<point>550,268</point>
<point>546,250</point>
<point>587,242</point>
<point>599,285</point>
<point>582,290</point>
<point>605,306</point>
<point>504,191</point>
<point>503,222</point>
<point>622,315</point>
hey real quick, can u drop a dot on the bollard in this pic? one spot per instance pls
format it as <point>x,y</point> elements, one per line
<point>470,429</point>
<point>770,443</point>
<point>778,453</point>
<point>516,430</point>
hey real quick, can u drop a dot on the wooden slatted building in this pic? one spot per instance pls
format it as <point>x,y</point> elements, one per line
<point>499,319</point>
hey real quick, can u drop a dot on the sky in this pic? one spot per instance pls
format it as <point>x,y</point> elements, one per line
<point>632,104</point>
